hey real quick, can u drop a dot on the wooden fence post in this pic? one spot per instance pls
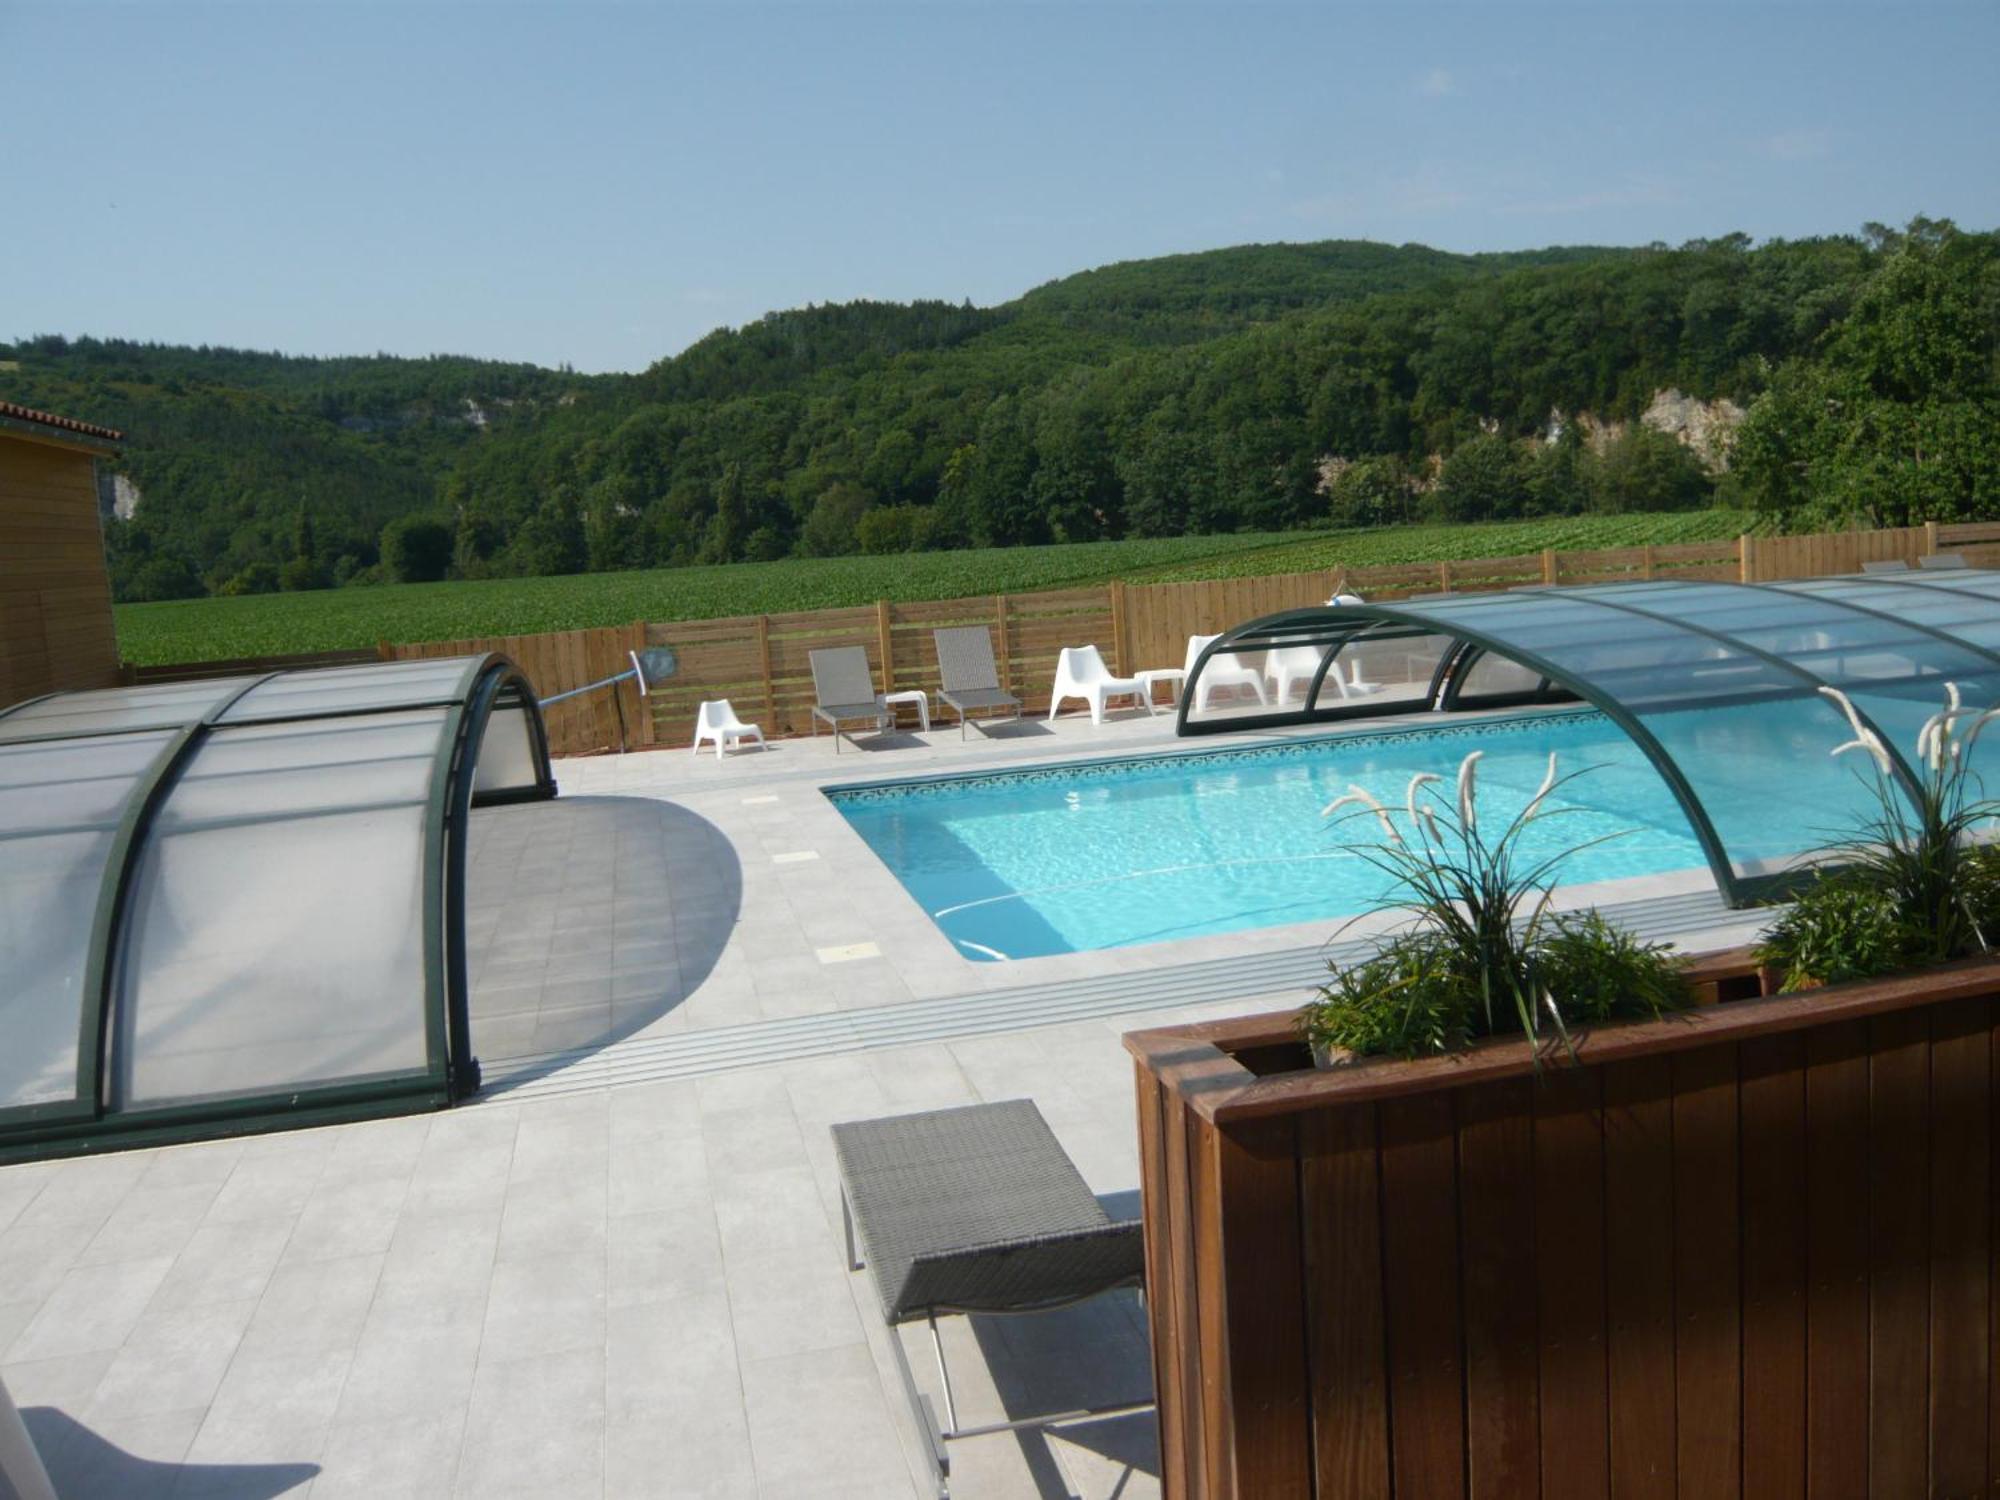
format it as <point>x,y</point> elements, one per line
<point>1930,538</point>
<point>1550,573</point>
<point>1746,551</point>
<point>1121,640</point>
<point>764,659</point>
<point>882,634</point>
<point>1000,655</point>
<point>1444,574</point>
<point>1646,562</point>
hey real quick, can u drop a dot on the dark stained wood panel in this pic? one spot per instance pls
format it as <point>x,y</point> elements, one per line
<point>1569,1209</point>
<point>1420,1296</point>
<point>1772,1099</point>
<point>1498,1278</point>
<point>1639,1289</point>
<point>1340,1191</point>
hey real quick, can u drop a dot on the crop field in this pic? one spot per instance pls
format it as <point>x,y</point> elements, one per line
<point>335,619</point>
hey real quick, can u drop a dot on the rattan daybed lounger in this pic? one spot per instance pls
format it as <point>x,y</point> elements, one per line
<point>975,1210</point>
<point>968,680</point>
<point>843,690</point>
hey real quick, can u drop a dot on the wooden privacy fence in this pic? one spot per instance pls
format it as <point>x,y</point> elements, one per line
<point>761,662</point>
<point>1750,1253</point>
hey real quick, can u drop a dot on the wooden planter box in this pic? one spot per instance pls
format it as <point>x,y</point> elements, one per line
<point>1744,1252</point>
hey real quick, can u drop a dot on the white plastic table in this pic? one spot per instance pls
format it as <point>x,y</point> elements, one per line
<point>892,701</point>
<point>1173,675</point>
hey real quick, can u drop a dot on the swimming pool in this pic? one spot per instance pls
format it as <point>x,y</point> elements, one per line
<point>1068,858</point>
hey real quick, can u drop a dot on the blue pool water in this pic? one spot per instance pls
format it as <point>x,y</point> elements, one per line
<point>1061,859</point>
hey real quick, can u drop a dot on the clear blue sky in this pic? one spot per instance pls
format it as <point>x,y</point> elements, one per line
<point>605,183</point>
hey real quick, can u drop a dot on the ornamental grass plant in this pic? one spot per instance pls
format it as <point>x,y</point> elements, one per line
<point>1485,954</point>
<point>1917,882</point>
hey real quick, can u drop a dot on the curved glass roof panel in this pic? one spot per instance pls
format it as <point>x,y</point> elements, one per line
<point>346,690</point>
<point>1721,684</point>
<point>115,710</point>
<point>240,902</point>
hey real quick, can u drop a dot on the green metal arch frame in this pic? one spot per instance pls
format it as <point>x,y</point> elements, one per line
<point>89,1121</point>
<point>1734,890</point>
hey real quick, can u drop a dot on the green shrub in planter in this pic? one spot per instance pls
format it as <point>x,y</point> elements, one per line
<point>1405,1001</point>
<point>1841,927</point>
<point>1598,972</point>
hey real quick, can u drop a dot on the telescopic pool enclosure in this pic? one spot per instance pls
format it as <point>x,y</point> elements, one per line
<point>238,903</point>
<point>1717,683</point>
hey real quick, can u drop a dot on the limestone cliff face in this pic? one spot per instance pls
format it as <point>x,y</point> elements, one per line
<point>116,495</point>
<point>1708,427</point>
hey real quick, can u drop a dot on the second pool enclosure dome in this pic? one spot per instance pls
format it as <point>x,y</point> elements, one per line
<point>1719,684</point>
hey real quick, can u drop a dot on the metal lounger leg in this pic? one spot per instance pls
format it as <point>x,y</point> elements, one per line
<point>925,1415</point>
<point>847,1225</point>
<point>944,1377</point>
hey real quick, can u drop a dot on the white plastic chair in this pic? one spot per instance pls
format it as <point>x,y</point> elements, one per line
<point>1222,672</point>
<point>716,720</point>
<point>1081,673</point>
<point>1294,667</point>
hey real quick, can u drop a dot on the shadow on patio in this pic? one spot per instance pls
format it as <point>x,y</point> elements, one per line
<point>80,1463</point>
<point>589,918</point>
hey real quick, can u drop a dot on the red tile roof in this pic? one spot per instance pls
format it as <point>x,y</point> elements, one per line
<point>65,424</point>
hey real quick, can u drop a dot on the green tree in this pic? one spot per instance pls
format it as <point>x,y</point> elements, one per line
<point>551,540</point>
<point>1644,470</point>
<point>1371,492</point>
<point>1484,479</point>
<point>832,530</point>
<point>731,523</point>
<point>416,549</point>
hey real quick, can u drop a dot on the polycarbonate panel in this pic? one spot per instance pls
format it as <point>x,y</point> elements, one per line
<point>1964,616</point>
<point>1895,675</point>
<point>110,710</point>
<point>1752,741</point>
<point>338,690</point>
<point>60,806</point>
<point>507,760</point>
<point>266,957</point>
<point>48,900</point>
<point>314,766</point>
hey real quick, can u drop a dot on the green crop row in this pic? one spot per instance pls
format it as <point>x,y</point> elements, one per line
<point>335,619</point>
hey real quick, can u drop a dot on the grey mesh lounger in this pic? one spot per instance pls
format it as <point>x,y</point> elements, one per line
<point>975,1210</point>
<point>843,690</point>
<point>968,679</point>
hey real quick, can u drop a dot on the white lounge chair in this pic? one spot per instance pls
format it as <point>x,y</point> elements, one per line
<point>716,720</point>
<point>1222,672</point>
<point>1081,673</point>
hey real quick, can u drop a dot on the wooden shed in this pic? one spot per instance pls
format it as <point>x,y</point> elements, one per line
<point>56,629</point>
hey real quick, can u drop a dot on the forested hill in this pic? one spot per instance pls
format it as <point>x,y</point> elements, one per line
<point>1257,387</point>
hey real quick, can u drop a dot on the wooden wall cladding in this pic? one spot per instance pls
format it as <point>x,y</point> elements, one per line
<point>56,630</point>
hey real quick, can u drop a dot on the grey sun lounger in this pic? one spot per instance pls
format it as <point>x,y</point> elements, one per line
<point>1936,560</point>
<point>975,1210</point>
<point>1886,565</point>
<point>843,690</point>
<point>968,680</point>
